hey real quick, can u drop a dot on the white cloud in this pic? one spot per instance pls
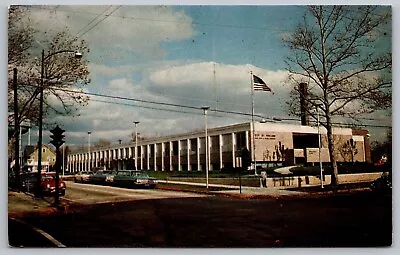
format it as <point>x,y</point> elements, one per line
<point>186,84</point>
<point>101,69</point>
<point>138,29</point>
<point>236,78</point>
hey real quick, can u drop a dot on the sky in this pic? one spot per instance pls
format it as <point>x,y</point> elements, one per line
<point>191,56</point>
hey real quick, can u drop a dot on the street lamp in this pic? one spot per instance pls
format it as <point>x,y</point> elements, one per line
<point>205,109</point>
<point>319,148</point>
<point>89,132</point>
<point>136,148</point>
<point>78,55</point>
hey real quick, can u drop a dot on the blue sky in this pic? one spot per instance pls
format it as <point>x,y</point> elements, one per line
<point>186,55</point>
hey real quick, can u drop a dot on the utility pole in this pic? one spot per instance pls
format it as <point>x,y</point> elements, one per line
<point>205,109</point>
<point>39,167</point>
<point>16,129</point>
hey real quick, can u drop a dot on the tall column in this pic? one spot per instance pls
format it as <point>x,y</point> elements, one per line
<point>247,140</point>
<point>179,156</point>
<point>189,167</point>
<point>198,154</point>
<point>233,150</point>
<point>221,165</point>
<point>162,156</point>
<point>141,156</point>
<point>148,156</point>
<point>155,156</point>
<point>109,159</point>
<point>84,162</point>
<point>209,152</point>
<point>171,167</point>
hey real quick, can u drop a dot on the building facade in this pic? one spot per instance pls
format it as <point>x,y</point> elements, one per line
<point>30,158</point>
<point>284,144</point>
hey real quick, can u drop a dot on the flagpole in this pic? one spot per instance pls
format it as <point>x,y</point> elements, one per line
<point>252,123</point>
<point>214,79</point>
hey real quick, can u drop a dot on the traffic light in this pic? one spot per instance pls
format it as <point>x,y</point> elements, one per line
<point>57,136</point>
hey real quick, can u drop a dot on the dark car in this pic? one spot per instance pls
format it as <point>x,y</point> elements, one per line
<point>102,177</point>
<point>382,184</point>
<point>47,183</point>
<point>134,178</point>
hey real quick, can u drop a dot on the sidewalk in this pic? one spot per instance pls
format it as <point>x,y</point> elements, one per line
<point>20,234</point>
<point>20,203</point>
<point>245,190</point>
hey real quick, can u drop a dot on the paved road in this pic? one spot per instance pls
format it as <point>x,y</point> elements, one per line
<point>95,194</point>
<point>187,220</point>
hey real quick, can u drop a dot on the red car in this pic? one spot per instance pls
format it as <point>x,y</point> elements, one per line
<point>47,184</point>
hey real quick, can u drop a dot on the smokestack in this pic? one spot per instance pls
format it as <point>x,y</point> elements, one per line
<point>305,119</point>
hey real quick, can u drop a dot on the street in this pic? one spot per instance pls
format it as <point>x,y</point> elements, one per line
<point>95,194</point>
<point>113,217</point>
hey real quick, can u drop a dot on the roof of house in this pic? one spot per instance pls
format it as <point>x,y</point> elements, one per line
<point>29,149</point>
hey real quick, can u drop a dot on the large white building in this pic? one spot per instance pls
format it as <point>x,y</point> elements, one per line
<point>285,144</point>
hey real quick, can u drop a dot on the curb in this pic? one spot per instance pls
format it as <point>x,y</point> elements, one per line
<point>41,232</point>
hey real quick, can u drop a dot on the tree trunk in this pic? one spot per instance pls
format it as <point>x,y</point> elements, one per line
<point>332,156</point>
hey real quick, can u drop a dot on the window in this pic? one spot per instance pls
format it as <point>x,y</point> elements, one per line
<point>44,150</point>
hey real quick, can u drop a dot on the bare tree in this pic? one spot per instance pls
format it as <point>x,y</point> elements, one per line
<point>20,35</point>
<point>64,75</point>
<point>344,54</point>
<point>139,137</point>
<point>102,143</point>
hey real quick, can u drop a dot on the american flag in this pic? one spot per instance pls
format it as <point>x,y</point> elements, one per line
<point>260,85</point>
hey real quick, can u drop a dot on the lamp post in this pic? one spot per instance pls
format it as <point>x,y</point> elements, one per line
<point>136,148</point>
<point>40,138</point>
<point>319,149</point>
<point>205,109</point>
<point>89,132</point>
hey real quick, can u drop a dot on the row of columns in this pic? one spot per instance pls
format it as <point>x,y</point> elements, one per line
<point>123,156</point>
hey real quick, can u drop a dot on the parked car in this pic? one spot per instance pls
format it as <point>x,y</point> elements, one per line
<point>134,178</point>
<point>28,181</point>
<point>102,177</point>
<point>383,183</point>
<point>83,176</point>
<point>47,183</point>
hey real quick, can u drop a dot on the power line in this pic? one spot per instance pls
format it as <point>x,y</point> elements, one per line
<point>152,102</point>
<point>158,109</point>
<point>107,15</point>
<point>195,108</point>
<point>213,110</point>
<point>93,20</point>
<point>170,21</point>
